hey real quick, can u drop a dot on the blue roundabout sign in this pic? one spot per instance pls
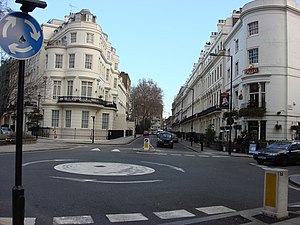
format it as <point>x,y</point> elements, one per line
<point>20,35</point>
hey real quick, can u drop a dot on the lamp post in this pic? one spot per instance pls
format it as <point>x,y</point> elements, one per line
<point>230,120</point>
<point>93,131</point>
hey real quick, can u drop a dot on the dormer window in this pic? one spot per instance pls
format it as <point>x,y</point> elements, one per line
<point>89,18</point>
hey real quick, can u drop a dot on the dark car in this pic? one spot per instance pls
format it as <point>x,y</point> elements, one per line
<point>281,152</point>
<point>164,139</point>
<point>175,138</point>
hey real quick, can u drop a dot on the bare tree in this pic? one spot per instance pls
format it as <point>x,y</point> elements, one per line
<point>147,100</point>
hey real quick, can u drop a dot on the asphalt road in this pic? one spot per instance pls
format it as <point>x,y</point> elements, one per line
<point>125,184</point>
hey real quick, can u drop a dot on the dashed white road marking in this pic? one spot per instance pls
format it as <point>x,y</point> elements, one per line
<point>220,156</point>
<point>48,160</point>
<point>115,150</point>
<point>215,210</point>
<point>203,156</point>
<point>176,154</point>
<point>130,217</point>
<point>189,155</point>
<point>181,213</point>
<point>96,149</point>
<point>73,220</point>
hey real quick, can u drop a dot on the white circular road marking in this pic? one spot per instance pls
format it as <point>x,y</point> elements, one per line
<point>104,169</point>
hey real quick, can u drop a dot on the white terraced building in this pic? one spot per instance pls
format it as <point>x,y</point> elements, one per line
<point>82,87</point>
<point>262,40</point>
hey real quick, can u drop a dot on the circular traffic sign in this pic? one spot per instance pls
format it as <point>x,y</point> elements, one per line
<point>20,35</point>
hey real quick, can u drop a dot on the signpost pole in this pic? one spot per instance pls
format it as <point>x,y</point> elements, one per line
<point>18,197</point>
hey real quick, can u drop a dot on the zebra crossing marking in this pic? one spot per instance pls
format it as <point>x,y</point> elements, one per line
<point>8,221</point>
<point>129,217</point>
<point>125,217</point>
<point>215,210</point>
<point>174,214</point>
<point>72,220</point>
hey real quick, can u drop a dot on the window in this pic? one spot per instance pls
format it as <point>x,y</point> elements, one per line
<point>108,55</point>
<point>86,89</point>
<point>71,60</point>
<point>64,41</point>
<point>106,96</point>
<point>253,55</point>
<point>257,95</point>
<point>90,38</point>
<point>58,60</point>
<point>237,47</point>
<point>116,66</point>
<point>47,61</point>
<point>253,28</point>
<point>89,18</point>
<point>88,61</point>
<point>107,75</point>
<point>236,69</point>
<point>115,82</point>
<point>105,120</point>
<point>70,88</point>
<point>56,89</point>
<point>73,37</point>
<point>85,119</point>
<point>228,75</point>
<point>55,118</point>
<point>68,118</point>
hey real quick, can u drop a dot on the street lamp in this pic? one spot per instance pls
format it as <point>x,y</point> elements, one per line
<point>93,131</point>
<point>230,120</point>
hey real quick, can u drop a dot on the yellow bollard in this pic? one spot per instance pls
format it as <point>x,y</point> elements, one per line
<point>276,193</point>
<point>146,143</point>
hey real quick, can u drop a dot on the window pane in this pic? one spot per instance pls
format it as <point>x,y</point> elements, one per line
<point>105,120</point>
<point>71,60</point>
<point>85,119</point>
<point>58,61</point>
<point>55,118</point>
<point>68,118</point>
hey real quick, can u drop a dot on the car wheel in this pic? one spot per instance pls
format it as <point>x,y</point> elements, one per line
<point>260,162</point>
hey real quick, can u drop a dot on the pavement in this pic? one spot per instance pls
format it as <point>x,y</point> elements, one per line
<point>46,144</point>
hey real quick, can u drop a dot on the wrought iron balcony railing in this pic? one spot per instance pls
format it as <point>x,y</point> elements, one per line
<point>86,100</point>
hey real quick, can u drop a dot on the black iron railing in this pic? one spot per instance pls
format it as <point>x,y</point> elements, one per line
<point>86,100</point>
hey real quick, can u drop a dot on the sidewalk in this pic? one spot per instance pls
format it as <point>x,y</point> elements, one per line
<point>43,144</point>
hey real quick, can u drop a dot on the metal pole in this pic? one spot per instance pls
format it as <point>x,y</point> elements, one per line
<point>230,107</point>
<point>93,135</point>
<point>18,197</point>
<point>192,128</point>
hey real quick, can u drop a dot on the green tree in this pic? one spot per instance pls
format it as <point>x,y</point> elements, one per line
<point>147,102</point>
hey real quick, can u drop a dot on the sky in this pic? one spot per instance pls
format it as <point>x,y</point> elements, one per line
<point>154,39</point>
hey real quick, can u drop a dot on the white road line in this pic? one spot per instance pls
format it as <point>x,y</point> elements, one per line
<point>72,220</point>
<point>181,213</point>
<point>170,166</point>
<point>115,150</point>
<point>189,155</point>
<point>220,156</point>
<point>159,153</point>
<point>8,221</point>
<point>96,149</point>
<point>203,156</point>
<point>130,217</point>
<point>215,210</point>
<point>176,154</point>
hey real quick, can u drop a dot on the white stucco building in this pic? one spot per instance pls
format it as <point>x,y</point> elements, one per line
<point>81,79</point>
<point>262,41</point>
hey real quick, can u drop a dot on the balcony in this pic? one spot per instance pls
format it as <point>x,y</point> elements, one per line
<point>253,109</point>
<point>86,100</point>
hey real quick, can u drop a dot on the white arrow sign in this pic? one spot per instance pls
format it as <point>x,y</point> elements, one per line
<point>11,21</point>
<point>35,35</point>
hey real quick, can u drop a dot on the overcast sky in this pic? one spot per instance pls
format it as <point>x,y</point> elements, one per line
<point>155,39</point>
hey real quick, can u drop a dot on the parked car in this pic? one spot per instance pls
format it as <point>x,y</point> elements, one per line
<point>281,152</point>
<point>6,130</point>
<point>175,138</point>
<point>164,139</point>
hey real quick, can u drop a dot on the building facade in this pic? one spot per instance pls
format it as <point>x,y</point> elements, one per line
<point>77,84</point>
<point>255,56</point>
